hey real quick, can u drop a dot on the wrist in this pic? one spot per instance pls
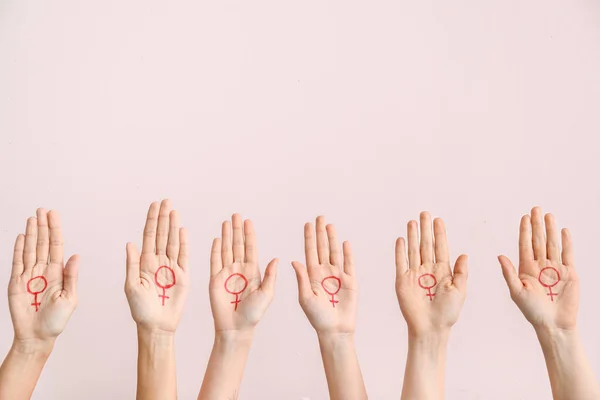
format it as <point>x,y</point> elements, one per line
<point>434,335</point>
<point>33,346</point>
<point>234,336</point>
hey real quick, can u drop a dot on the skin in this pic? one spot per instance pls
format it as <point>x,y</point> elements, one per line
<point>334,326</point>
<point>555,322</point>
<point>37,253</point>
<point>164,244</point>
<point>234,253</point>
<point>429,320</point>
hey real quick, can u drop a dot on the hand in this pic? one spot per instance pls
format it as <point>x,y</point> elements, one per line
<point>157,282</point>
<point>430,296</point>
<point>42,294</point>
<point>327,289</point>
<point>546,290</point>
<point>238,296</point>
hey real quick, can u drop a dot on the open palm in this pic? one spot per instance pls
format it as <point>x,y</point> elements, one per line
<point>546,288</point>
<point>42,292</point>
<point>157,281</point>
<point>326,286</point>
<point>238,295</point>
<point>430,296</point>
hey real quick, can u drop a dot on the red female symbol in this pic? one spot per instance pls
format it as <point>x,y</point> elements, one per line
<point>168,285</point>
<point>428,288</point>
<point>332,294</point>
<point>36,303</point>
<point>237,294</point>
<point>550,293</point>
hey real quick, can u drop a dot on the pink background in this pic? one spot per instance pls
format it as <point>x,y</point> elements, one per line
<point>367,112</point>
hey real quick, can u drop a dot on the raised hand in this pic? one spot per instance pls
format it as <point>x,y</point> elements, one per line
<point>238,298</point>
<point>327,287</point>
<point>546,288</point>
<point>42,295</point>
<point>431,296</point>
<point>429,293</point>
<point>42,292</point>
<point>157,283</point>
<point>238,295</point>
<point>328,294</point>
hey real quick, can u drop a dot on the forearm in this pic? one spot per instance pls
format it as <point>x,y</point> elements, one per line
<point>22,367</point>
<point>571,376</point>
<point>425,367</point>
<point>226,365</point>
<point>342,370</point>
<point>157,377</point>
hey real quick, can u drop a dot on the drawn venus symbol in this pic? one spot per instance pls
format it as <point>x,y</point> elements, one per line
<point>235,292</point>
<point>37,289</point>
<point>550,286</point>
<point>165,285</point>
<point>426,287</point>
<point>332,294</point>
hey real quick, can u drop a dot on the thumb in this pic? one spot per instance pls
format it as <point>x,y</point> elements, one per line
<point>268,283</point>
<point>304,289</point>
<point>510,275</point>
<point>70,275</point>
<point>461,272</point>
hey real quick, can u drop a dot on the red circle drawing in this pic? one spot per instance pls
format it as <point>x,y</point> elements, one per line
<point>36,303</point>
<point>550,292</point>
<point>236,294</point>
<point>164,288</point>
<point>428,288</point>
<point>332,294</point>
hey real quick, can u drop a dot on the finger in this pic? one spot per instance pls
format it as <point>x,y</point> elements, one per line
<point>226,249</point>
<point>510,275</point>
<point>348,259</point>
<point>414,254</point>
<point>268,283</point>
<point>173,241</point>
<point>250,243</point>
<point>216,262</point>
<point>461,272</point>
<point>553,245</point>
<point>426,239</point>
<point>43,238</point>
<point>184,249</point>
<point>310,249</point>
<point>56,240</point>
<point>304,289</point>
<point>238,238</point>
<point>133,265</point>
<point>70,276</point>
<point>442,254</point>
<point>401,261</point>
<point>29,255</point>
<point>539,240</point>
<point>568,257</point>
<point>322,241</point>
<point>525,240</point>
<point>162,232</point>
<point>149,242</point>
<point>17,264</point>
<point>335,256</point>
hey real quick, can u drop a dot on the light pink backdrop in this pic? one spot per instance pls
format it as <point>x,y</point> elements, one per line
<point>367,112</point>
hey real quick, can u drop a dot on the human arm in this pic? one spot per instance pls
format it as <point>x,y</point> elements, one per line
<point>328,295</point>
<point>42,296</point>
<point>430,295</point>
<point>546,290</point>
<point>156,286</point>
<point>238,297</point>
